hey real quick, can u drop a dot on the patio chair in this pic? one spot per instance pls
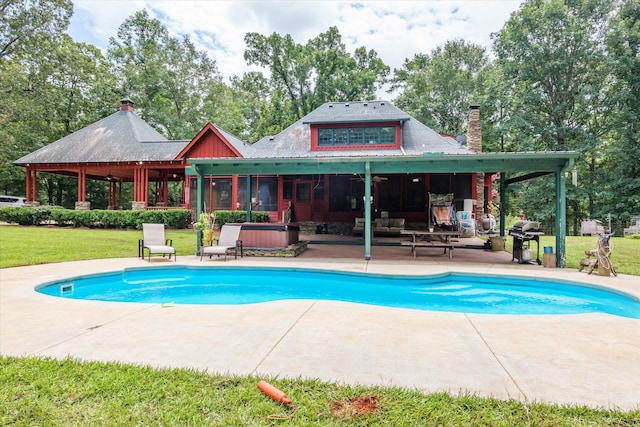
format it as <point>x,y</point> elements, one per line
<point>154,241</point>
<point>229,240</point>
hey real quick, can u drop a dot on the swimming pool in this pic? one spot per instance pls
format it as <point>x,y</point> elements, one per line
<point>454,292</point>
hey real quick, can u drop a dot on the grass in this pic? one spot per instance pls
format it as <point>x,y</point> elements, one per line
<point>625,254</point>
<point>43,391</point>
<point>66,392</point>
<point>26,246</point>
<point>43,245</point>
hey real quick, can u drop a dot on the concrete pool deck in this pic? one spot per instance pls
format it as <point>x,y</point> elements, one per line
<point>587,359</point>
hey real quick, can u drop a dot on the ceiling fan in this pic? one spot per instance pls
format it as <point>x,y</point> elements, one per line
<point>374,178</point>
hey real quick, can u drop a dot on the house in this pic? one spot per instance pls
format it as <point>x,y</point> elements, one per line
<point>332,132</point>
<point>342,161</point>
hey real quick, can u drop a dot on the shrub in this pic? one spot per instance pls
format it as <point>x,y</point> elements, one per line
<point>26,216</point>
<point>174,218</point>
<point>223,217</point>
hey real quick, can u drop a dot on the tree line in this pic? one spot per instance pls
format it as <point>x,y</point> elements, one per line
<point>559,75</point>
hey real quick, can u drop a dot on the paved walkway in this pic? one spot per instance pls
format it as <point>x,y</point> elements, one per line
<point>590,359</point>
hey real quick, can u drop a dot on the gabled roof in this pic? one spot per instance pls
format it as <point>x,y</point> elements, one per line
<point>235,145</point>
<point>295,141</point>
<point>120,137</point>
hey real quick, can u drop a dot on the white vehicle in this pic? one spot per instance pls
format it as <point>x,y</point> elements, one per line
<point>12,201</point>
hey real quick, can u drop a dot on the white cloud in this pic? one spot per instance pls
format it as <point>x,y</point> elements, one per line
<point>396,30</point>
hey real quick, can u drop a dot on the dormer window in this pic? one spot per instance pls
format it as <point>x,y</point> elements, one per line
<point>371,135</point>
<point>354,136</point>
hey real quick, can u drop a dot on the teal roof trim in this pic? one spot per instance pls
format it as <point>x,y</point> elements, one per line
<point>437,163</point>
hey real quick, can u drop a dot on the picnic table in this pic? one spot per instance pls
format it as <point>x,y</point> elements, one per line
<point>431,239</point>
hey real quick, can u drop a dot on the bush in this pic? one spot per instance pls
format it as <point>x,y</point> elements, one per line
<point>173,218</point>
<point>223,217</point>
<point>26,216</point>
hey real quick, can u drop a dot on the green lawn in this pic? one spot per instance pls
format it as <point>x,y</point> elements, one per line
<point>61,393</point>
<point>42,245</point>
<point>38,391</point>
<point>625,254</point>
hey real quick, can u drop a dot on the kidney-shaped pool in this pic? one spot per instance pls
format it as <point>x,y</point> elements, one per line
<point>456,292</point>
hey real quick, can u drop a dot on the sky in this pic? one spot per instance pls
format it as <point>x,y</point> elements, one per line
<point>396,30</point>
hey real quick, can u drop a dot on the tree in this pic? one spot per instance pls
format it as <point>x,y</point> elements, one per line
<point>552,54</point>
<point>306,76</point>
<point>167,78</point>
<point>621,156</point>
<point>29,30</point>
<point>48,96</point>
<point>437,89</point>
<point>26,25</point>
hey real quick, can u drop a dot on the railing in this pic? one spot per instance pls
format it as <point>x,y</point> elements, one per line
<point>164,208</point>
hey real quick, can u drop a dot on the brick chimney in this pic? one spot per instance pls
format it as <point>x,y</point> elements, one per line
<point>474,144</point>
<point>126,104</point>
<point>474,130</point>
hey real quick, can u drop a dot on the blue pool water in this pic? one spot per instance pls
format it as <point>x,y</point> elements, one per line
<point>455,292</point>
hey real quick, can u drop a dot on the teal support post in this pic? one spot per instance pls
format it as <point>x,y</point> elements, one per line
<point>199,208</point>
<point>367,211</point>
<point>248,218</point>
<point>503,204</point>
<point>561,219</point>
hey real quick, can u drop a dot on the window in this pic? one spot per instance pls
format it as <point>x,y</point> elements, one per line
<point>325,137</point>
<point>303,192</point>
<point>219,196</point>
<point>346,194</point>
<point>264,193</point>
<point>366,135</point>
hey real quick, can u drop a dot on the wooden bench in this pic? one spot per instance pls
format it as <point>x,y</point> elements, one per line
<point>430,244</point>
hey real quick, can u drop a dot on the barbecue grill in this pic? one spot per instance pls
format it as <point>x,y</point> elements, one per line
<point>523,233</point>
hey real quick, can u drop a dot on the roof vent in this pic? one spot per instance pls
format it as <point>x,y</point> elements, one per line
<point>271,138</point>
<point>330,105</point>
<point>365,104</point>
<point>382,103</point>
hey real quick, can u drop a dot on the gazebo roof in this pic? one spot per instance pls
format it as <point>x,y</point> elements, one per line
<point>120,137</point>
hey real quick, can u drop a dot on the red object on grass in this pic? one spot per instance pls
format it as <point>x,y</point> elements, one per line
<point>274,393</point>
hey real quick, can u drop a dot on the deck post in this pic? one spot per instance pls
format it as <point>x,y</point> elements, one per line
<point>248,217</point>
<point>199,209</point>
<point>367,211</point>
<point>561,218</point>
<point>503,204</point>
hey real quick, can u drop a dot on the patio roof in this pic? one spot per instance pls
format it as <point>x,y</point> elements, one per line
<point>552,161</point>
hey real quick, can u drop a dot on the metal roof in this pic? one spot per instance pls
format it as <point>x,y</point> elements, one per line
<point>120,137</point>
<point>243,147</point>
<point>361,112</point>
<point>294,141</point>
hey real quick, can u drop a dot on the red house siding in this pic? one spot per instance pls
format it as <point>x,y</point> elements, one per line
<point>209,145</point>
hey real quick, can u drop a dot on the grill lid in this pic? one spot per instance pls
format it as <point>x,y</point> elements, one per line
<point>524,226</point>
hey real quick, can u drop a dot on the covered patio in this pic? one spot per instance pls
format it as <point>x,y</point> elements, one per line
<point>518,167</point>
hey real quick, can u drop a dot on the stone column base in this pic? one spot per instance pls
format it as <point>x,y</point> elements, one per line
<point>138,206</point>
<point>83,206</point>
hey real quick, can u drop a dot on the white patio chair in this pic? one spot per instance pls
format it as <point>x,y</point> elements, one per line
<point>229,240</point>
<point>154,241</point>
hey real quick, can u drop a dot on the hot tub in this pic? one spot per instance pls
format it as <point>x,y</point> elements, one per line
<point>268,234</point>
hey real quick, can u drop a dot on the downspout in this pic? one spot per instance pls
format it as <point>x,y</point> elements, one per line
<point>367,211</point>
